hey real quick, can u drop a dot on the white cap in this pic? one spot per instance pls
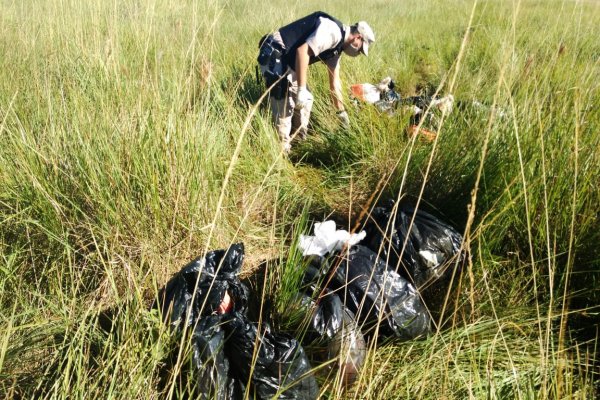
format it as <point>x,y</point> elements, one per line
<point>367,34</point>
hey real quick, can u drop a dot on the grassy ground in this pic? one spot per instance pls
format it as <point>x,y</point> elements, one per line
<point>131,142</point>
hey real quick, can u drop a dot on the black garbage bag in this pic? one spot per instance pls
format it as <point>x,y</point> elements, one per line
<point>223,339</point>
<point>340,335</point>
<point>214,376</point>
<point>333,334</point>
<point>348,346</point>
<point>326,313</point>
<point>379,297</point>
<point>211,277</point>
<point>428,253</point>
<point>277,367</point>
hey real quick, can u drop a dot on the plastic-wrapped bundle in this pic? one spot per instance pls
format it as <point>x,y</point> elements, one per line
<point>223,339</point>
<point>279,367</point>
<point>378,296</point>
<point>213,278</point>
<point>214,380</point>
<point>332,327</point>
<point>427,253</point>
<point>347,343</point>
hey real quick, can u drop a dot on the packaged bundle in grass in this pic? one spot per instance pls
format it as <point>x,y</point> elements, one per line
<point>333,333</point>
<point>423,249</point>
<point>274,363</point>
<point>385,303</point>
<point>228,351</point>
<point>425,111</point>
<point>205,286</point>
<point>382,95</point>
<point>214,378</point>
<point>382,301</point>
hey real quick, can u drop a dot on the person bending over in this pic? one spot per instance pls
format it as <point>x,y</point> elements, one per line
<point>284,57</point>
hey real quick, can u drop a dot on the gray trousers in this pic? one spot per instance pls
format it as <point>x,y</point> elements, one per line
<point>290,123</point>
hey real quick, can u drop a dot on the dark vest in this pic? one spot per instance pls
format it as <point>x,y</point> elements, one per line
<point>295,34</point>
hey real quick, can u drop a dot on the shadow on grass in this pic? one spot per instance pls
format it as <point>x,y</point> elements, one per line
<point>245,85</point>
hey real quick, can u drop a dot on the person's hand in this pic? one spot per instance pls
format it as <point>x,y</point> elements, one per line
<point>303,98</point>
<point>344,119</point>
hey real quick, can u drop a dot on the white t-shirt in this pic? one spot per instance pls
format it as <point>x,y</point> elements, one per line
<point>326,37</point>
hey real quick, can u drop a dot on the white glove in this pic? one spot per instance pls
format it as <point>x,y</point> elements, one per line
<point>303,98</point>
<point>344,119</point>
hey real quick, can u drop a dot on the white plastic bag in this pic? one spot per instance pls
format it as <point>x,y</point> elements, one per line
<point>327,239</point>
<point>366,92</point>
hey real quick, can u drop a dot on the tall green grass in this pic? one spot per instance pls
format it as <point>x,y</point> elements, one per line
<point>131,141</point>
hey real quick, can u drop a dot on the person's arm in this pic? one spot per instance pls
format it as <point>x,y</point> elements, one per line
<point>335,86</point>
<point>302,58</point>
<point>303,97</point>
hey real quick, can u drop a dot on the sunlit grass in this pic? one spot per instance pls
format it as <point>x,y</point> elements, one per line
<point>119,124</point>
